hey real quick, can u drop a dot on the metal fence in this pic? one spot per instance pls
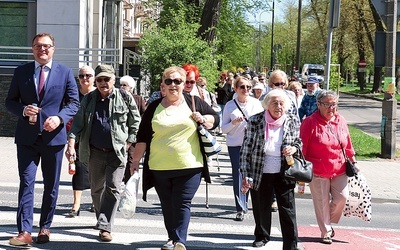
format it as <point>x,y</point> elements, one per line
<point>11,57</point>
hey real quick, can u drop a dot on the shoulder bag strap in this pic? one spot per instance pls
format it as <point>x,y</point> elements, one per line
<point>337,138</point>
<point>244,116</point>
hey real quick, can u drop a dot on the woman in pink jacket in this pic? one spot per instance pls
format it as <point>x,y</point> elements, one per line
<point>324,134</point>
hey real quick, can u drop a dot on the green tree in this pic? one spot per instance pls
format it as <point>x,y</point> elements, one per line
<point>174,45</point>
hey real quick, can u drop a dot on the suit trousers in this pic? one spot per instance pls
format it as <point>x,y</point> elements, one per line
<point>329,197</point>
<point>176,190</point>
<point>50,158</point>
<point>261,201</point>
<point>105,175</point>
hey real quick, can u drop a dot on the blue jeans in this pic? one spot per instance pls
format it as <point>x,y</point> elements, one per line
<point>176,190</point>
<point>237,180</point>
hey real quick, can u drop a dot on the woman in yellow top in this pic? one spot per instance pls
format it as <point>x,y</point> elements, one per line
<point>175,161</point>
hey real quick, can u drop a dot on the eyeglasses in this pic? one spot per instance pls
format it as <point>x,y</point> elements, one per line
<point>191,82</point>
<point>123,85</point>
<point>329,105</point>
<point>248,87</point>
<point>176,81</point>
<point>105,79</point>
<point>85,76</point>
<point>276,84</point>
<point>44,46</point>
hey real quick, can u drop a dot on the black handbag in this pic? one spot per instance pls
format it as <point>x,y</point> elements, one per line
<point>301,170</point>
<point>350,168</point>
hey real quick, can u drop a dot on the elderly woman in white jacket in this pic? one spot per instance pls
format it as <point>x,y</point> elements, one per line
<point>234,120</point>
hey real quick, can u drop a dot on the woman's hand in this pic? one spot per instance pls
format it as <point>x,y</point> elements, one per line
<point>237,120</point>
<point>133,166</point>
<point>197,117</point>
<point>289,150</point>
<point>246,185</point>
<point>70,152</point>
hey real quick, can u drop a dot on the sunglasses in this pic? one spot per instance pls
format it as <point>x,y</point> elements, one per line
<point>85,76</point>
<point>279,84</point>
<point>176,81</point>
<point>123,85</point>
<point>248,87</point>
<point>190,82</point>
<point>105,79</point>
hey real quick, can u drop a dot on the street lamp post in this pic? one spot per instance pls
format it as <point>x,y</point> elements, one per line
<point>258,51</point>
<point>272,35</point>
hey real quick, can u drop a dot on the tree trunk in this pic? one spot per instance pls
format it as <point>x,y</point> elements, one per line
<point>209,20</point>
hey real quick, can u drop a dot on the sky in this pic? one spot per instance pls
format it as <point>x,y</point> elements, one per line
<point>265,16</point>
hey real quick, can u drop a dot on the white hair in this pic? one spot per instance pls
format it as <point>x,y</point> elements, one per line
<point>88,68</point>
<point>276,93</point>
<point>129,80</point>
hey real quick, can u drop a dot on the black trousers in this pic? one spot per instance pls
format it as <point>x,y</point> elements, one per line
<point>261,201</point>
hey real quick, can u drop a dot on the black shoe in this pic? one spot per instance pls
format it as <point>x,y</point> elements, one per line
<point>332,232</point>
<point>92,209</point>
<point>239,216</point>
<point>74,213</point>
<point>259,243</point>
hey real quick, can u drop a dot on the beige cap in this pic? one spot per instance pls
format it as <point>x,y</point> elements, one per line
<point>104,70</point>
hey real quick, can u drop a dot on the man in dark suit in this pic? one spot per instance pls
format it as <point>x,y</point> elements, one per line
<point>40,133</point>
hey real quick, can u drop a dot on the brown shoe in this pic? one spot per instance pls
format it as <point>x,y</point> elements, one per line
<point>43,236</point>
<point>22,239</point>
<point>105,236</point>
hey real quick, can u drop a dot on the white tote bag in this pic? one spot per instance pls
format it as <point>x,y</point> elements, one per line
<point>359,201</point>
<point>127,205</point>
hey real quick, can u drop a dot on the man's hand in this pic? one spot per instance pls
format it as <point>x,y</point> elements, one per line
<point>51,123</point>
<point>31,110</point>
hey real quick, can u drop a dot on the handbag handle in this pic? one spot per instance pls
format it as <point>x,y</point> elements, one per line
<point>193,104</point>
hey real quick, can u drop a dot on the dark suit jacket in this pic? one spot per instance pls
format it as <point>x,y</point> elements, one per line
<point>60,99</point>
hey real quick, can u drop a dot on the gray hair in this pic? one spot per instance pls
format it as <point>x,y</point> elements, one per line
<point>324,93</point>
<point>90,69</point>
<point>129,80</point>
<point>276,93</point>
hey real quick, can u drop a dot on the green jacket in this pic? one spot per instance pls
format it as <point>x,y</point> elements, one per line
<point>124,122</point>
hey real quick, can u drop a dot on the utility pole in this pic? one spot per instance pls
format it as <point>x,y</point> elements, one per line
<point>389,103</point>
<point>334,14</point>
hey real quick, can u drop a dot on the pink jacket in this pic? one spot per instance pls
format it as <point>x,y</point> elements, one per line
<point>321,145</point>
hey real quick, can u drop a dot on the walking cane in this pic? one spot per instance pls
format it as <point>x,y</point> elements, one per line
<point>207,195</point>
